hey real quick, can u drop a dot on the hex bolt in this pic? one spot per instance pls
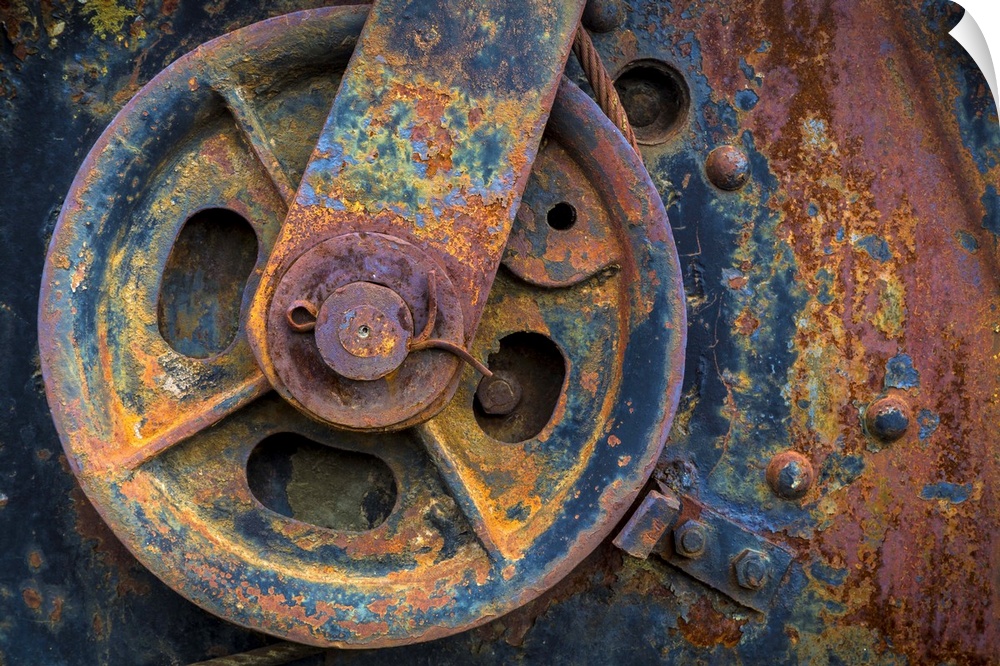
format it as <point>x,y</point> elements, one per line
<point>887,419</point>
<point>790,475</point>
<point>499,395</point>
<point>753,569</point>
<point>727,168</point>
<point>691,539</point>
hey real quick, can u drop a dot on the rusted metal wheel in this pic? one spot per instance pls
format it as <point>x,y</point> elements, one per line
<point>264,516</point>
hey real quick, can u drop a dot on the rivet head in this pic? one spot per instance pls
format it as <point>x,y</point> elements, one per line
<point>887,419</point>
<point>691,539</point>
<point>727,168</point>
<point>790,475</point>
<point>753,569</point>
<point>602,15</point>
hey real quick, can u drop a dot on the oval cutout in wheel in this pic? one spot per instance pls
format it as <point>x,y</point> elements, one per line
<point>320,485</point>
<point>201,292</point>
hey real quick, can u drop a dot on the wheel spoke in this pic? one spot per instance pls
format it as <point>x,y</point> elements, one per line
<point>145,446</point>
<point>252,129</point>
<point>473,505</point>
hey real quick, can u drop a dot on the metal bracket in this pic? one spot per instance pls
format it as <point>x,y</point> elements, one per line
<point>707,546</point>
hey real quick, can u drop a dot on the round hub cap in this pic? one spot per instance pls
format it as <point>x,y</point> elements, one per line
<point>362,331</point>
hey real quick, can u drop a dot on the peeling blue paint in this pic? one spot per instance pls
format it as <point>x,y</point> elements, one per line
<point>991,202</point>
<point>825,280</point>
<point>840,470</point>
<point>951,492</point>
<point>876,248</point>
<point>900,373</point>
<point>929,422</point>
<point>746,99</point>
<point>830,575</point>
<point>968,241</point>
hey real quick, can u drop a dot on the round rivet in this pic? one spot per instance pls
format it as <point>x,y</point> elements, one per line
<point>728,168</point>
<point>887,419</point>
<point>790,475</point>
<point>602,15</point>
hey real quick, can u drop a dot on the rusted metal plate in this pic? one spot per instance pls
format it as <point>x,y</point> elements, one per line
<point>863,115</point>
<point>481,513</point>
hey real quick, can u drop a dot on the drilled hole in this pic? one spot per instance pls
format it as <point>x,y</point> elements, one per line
<point>203,282</point>
<point>332,488</point>
<point>536,364</point>
<point>655,98</point>
<point>562,216</point>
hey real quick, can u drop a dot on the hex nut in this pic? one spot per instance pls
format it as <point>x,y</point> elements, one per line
<point>753,569</point>
<point>691,539</point>
<point>500,394</point>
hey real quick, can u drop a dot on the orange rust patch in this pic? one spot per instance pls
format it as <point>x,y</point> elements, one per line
<point>707,627</point>
<point>738,282</point>
<point>57,607</point>
<point>32,598</point>
<point>746,323</point>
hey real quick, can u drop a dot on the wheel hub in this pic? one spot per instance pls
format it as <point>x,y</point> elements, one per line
<point>340,327</point>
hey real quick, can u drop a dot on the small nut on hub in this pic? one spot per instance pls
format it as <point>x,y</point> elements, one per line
<point>498,395</point>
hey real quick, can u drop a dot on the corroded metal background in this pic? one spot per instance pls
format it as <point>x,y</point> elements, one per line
<point>859,260</point>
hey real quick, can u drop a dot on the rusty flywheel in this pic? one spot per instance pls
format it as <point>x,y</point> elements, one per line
<point>259,382</point>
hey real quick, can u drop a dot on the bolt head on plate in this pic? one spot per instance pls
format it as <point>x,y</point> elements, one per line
<point>499,395</point>
<point>752,569</point>
<point>691,539</point>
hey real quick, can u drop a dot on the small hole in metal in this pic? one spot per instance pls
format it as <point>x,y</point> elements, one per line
<point>301,316</point>
<point>364,332</point>
<point>562,216</point>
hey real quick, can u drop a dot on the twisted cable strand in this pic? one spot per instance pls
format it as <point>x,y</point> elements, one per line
<point>604,87</point>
